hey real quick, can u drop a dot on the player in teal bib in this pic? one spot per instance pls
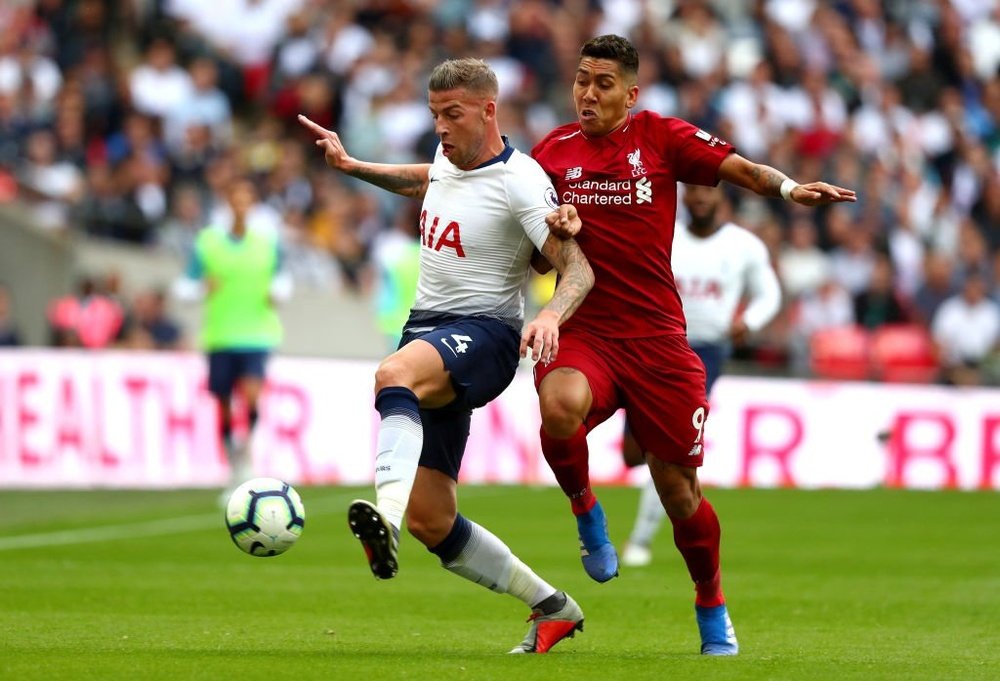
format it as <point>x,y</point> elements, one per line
<point>238,271</point>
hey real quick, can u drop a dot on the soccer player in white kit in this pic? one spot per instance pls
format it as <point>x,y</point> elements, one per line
<point>716,265</point>
<point>486,207</point>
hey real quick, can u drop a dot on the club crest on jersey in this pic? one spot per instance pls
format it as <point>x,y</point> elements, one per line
<point>637,167</point>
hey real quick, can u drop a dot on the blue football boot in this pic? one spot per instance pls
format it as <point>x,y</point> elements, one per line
<point>717,634</point>
<point>598,554</point>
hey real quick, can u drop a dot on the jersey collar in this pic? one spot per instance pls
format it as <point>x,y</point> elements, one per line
<point>502,157</point>
<point>616,137</point>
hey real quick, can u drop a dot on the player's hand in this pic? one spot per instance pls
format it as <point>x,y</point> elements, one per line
<point>329,141</point>
<point>564,223</point>
<point>739,332</point>
<point>821,193</point>
<point>541,335</point>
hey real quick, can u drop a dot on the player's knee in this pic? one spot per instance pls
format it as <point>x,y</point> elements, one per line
<point>561,423</point>
<point>391,372</point>
<point>562,414</point>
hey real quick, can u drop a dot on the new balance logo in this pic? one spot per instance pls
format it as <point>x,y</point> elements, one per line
<point>574,173</point>
<point>461,344</point>
<point>696,450</point>
<point>643,190</point>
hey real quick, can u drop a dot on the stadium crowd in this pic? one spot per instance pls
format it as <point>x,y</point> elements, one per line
<point>127,119</point>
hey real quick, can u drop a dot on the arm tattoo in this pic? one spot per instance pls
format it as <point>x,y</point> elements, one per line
<point>766,180</point>
<point>576,278</point>
<point>407,180</point>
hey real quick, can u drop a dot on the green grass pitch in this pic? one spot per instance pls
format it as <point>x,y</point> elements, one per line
<point>821,585</point>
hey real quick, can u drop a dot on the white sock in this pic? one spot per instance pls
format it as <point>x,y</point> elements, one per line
<point>649,517</point>
<point>240,461</point>
<point>486,560</point>
<point>400,439</point>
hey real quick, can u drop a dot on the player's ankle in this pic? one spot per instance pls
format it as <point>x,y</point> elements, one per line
<point>583,502</point>
<point>708,594</point>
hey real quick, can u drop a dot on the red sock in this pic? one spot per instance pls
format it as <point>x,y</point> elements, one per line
<point>697,538</point>
<point>570,461</point>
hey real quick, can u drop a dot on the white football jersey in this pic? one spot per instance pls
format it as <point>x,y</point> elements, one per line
<point>714,273</point>
<point>477,230</point>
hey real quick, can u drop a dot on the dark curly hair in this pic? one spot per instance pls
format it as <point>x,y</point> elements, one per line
<point>614,48</point>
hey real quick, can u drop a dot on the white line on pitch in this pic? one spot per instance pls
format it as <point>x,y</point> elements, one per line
<point>151,528</point>
<point>164,526</point>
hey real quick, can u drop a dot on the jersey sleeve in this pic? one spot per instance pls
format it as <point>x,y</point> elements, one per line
<point>761,285</point>
<point>532,197</point>
<point>694,153</point>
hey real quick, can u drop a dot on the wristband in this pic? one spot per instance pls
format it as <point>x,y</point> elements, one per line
<point>787,185</point>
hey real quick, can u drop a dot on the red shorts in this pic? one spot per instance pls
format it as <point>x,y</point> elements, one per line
<point>659,381</point>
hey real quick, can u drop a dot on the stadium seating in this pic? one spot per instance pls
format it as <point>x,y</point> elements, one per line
<point>903,353</point>
<point>840,353</point>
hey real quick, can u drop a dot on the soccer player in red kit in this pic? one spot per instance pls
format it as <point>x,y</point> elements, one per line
<point>626,347</point>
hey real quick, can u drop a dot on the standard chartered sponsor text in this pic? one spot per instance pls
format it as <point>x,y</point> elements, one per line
<point>610,192</point>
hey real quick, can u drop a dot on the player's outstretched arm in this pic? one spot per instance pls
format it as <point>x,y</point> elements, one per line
<point>768,181</point>
<point>576,278</point>
<point>404,179</point>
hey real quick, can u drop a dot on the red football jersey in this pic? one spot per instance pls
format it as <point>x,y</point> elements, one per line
<point>624,186</point>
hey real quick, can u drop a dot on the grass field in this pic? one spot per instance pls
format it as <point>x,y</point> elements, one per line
<point>821,585</point>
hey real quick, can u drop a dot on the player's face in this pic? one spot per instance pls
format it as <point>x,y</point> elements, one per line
<point>460,121</point>
<point>702,203</point>
<point>242,197</point>
<point>603,95</point>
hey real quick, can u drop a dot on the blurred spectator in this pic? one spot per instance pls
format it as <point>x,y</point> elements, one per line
<point>829,306</point>
<point>967,330</point>
<point>26,71</point>
<point>204,105</point>
<point>9,335</point>
<point>986,211</point>
<point>853,261</point>
<point>159,86</point>
<point>13,128</point>
<point>50,185</point>
<point>972,254</point>
<point>879,304</point>
<point>802,265</point>
<point>185,219</point>
<point>89,319</point>
<point>107,211</point>
<point>139,136</point>
<point>148,327</point>
<point>938,285</point>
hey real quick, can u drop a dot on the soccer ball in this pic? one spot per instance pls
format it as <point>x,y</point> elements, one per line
<point>265,517</point>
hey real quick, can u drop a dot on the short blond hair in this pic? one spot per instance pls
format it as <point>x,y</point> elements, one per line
<point>473,75</point>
